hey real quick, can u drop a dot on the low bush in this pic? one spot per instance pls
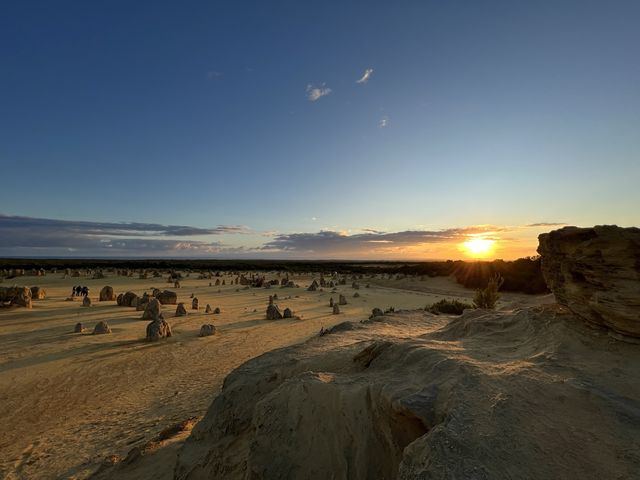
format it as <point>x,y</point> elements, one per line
<point>488,296</point>
<point>448,307</point>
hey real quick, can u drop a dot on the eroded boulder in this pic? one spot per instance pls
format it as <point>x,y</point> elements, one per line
<point>273,312</point>
<point>128,299</point>
<point>152,310</point>
<point>38,293</point>
<point>207,330</point>
<point>100,328</point>
<point>158,329</point>
<point>107,294</point>
<point>167,297</point>
<point>16,296</point>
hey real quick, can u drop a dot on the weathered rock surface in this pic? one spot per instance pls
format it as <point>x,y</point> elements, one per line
<point>101,328</point>
<point>484,396</point>
<point>181,311</point>
<point>86,301</point>
<point>78,328</point>
<point>207,330</point>
<point>167,297</point>
<point>107,294</point>
<point>142,302</point>
<point>287,313</point>
<point>273,312</point>
<point>128,299</point>
<point>152,310</point>
<point>38,293</point>
<point>158,329</point>
<point>595,272</point>
<point>16,296</point>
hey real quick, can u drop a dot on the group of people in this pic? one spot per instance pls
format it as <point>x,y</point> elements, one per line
<point>80,291</point>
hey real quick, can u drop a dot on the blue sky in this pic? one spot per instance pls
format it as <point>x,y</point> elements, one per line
<point>200,114</point>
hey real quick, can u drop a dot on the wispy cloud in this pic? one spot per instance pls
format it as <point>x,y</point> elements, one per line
<point>365,76</point>
<point>331,242</point>
<point>384,122</point>
<point>41,235</point>
<point>315,93</point>
<point>545,224</point>
<point>26,236</point>
<point>213,74</point>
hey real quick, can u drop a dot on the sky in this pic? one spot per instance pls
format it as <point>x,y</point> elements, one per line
<point>354,130</point>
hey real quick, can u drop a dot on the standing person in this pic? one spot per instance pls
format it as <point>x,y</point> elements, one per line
<point>85,291</point>
<point>73,291</point>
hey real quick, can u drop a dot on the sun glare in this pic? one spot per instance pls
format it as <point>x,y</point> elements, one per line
<point>479,247</point>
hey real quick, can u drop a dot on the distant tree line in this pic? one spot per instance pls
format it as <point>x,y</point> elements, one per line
<point>522,275</point>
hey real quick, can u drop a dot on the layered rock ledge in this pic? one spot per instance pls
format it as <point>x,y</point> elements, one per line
<point>595,272</point>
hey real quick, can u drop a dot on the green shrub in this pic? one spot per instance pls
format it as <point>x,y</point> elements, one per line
<point>488,296</point>
<point>448,307</point>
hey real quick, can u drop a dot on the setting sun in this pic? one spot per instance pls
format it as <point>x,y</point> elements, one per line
<point>479,247</point>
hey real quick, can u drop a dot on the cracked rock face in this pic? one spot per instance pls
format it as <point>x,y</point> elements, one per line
<point>595,272</point>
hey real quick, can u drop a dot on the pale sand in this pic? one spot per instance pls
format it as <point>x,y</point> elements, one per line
<point>68,400</point>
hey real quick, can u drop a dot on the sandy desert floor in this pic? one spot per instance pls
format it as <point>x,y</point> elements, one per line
<point>69,401</point>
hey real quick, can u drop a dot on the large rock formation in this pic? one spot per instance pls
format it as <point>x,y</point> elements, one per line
<point>167,297</point>
<point>181,311</point>
<point>158,329</point>
<point>128,299</point>
<point>273,312</point>
<point>152,310</point>
<point>488,395</point>
<point>100,328</point>
<point>16,296</point>
<point>595,272</point>
<point>38,293</point>
<point>207,330</point>
<point>107,294</point>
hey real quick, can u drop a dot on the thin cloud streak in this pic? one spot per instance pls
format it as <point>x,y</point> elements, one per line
<point>26,235</point>
<point>316,93</point>
<point>365,76</point>
<point>543,224</point>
